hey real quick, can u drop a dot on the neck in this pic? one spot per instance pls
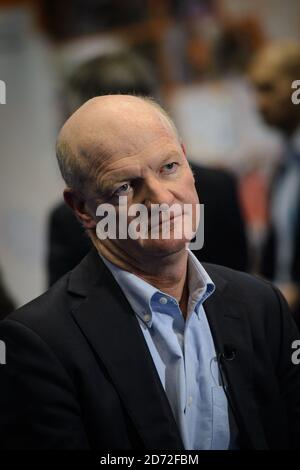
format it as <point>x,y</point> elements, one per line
<point>167,273</point>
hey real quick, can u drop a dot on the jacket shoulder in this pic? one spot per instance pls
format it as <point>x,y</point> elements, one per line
<point>259,296</point>
<point>234,278</point>
<point>47,312</point>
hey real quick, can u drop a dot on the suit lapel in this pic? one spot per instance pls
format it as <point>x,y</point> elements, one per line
<point>229,326</point>
<point>113,332</point>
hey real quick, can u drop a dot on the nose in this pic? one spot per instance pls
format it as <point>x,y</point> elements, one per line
<point>156,192</point>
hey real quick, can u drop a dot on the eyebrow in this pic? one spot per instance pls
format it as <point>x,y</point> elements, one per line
<point>125,176</point>
<point>110,182</point>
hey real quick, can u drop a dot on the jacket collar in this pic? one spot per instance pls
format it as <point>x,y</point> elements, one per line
<point>91,271</point>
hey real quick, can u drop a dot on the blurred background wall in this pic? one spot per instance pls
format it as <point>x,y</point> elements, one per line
<point>199,51</point>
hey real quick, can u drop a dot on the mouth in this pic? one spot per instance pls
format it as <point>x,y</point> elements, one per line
<point>163,221</point>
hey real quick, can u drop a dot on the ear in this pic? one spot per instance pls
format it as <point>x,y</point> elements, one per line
<point>79,207</point>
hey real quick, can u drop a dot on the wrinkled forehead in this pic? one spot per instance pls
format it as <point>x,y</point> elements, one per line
<point>122,133</point>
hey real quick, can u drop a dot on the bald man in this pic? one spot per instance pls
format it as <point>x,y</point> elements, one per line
<point>141,347</point>
<point>273,72</point>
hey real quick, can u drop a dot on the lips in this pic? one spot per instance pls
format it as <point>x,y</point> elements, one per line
<point>162,222</point>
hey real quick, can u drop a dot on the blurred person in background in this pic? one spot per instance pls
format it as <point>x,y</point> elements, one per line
<point>272,72</point>
<point>216,113</point>
<point>126,72</point>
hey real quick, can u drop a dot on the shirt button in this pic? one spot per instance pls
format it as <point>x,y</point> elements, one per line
<point>147,317</point>
<point>190,401</point>
<point>163,300</point>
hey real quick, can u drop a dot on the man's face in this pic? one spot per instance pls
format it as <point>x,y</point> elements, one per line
<point>273,95</point>
<point>149,168</point>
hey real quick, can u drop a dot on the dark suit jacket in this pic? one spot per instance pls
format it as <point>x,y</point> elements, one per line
<point>79,374</point>
<point>224,230</point>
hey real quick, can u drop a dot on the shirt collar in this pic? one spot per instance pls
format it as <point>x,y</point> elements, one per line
<point>140,293</point>
<point>200,284</point>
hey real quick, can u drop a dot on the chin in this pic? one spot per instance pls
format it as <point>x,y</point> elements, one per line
<point>162,247</point>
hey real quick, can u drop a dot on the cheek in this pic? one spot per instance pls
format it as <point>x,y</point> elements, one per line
<point>188,191</point>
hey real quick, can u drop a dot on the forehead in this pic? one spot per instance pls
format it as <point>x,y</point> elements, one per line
<point>128,137</point>
<point>110,126</point>
<point>149,155</point>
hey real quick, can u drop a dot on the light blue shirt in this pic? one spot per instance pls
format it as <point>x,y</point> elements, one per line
<point>184,354</point>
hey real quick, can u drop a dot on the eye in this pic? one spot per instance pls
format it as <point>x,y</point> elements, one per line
<point>170,167</point>
<point>124,189</point>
